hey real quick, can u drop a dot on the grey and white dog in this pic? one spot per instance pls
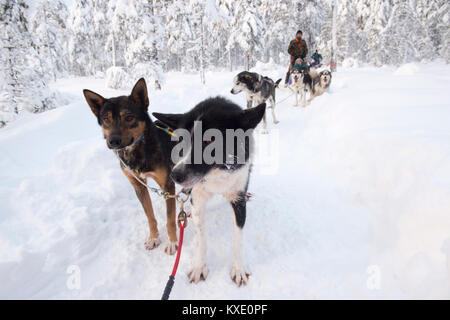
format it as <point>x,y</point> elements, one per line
<point>320,84</point>
<point>259,89</point>
<point>300,83</point>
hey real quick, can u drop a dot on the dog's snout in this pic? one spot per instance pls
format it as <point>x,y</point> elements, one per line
<point>178,176</point>
<point>115,141</point>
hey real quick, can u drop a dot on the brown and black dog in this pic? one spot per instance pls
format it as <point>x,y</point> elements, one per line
<point>143,148</point>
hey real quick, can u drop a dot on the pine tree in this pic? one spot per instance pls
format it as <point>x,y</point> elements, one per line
<point>404,39</point>
<point>247,29</point>
<point>23,84</point>
<point>215,25</point>
<point>145,34</point>
<point>276,37</point>
<point>48,25</point>
<point>101,35</point>
<point>178,33</point>
<point>81,46</point>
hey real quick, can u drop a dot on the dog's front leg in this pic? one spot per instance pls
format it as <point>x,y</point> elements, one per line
<point>274,117</point>
<point>171,224</point>
<point>264,130</point>
<point>144,197</point>
<point>238,272</point>
<point>303,97</point>
<point>311,96</point>
<point>199,270</point>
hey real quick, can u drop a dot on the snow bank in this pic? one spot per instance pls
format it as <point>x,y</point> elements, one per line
<point>117,78</point>
<point>408,69</point>
<point>350,63</point>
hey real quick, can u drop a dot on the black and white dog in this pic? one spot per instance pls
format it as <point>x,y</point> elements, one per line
<point>320,84</point>
<point>227,175</point>
<point>259,89</point>
<point>300,83</point>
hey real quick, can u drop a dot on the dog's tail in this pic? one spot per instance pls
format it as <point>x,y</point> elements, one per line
<point>277,83</point>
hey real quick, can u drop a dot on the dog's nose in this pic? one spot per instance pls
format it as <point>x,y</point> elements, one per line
<point>231,91</point>
<point>115,141</point>
<point>178,176</point>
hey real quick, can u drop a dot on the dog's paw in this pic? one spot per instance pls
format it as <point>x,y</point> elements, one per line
<point>276,121</point>
<point>198,273</point>
<point>239,275</point>
<point>264,131</point>
<point>152,243</point>
<point>171,248</point>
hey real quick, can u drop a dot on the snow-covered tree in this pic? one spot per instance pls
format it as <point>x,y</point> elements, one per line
<point>22,77</point>
<point>101,21</point>
<point>247,29</point>
<point>178,34</point>
<point>48,25</point>
<point>145,36</point>
<point>277,36</point>
<point>216,22</point>
<point>81,45</point>
<point>404,39</point>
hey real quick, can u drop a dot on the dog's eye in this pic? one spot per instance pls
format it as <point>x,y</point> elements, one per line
<point>129,118</point>
<point>105,120</point>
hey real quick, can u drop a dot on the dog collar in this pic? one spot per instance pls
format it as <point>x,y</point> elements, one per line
<point>139,140</point>
<point>166,130</point>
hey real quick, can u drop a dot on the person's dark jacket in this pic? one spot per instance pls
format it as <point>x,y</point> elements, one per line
<point>298,48</point>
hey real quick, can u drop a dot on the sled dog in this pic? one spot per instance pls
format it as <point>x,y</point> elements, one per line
<point>228,175</point>
<point>300,83</point>
<point>320,84</point>
<point>258,89</point>
<point>144,151</point>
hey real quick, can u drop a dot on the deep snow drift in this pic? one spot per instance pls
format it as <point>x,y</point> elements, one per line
<point>351,197</point>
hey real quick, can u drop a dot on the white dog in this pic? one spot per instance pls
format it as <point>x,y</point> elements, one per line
<point>300,83</point>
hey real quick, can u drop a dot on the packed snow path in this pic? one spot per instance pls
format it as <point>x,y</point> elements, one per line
<point>355,202</point>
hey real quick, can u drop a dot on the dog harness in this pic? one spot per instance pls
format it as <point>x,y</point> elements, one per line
<point>263,79</point>
<point>166,130</point>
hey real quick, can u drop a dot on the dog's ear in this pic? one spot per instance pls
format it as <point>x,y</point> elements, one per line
<point>94,100</point>
<point>139,93</point>
<point>245,77</point>
<point>251,117</point>
<point>173,120</point>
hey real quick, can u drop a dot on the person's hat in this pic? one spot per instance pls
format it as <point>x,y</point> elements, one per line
<point>299,31</point>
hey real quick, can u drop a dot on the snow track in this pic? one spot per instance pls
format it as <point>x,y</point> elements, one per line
<point>358,205</point>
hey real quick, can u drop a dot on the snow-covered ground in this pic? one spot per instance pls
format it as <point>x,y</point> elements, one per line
<point>355,202</point>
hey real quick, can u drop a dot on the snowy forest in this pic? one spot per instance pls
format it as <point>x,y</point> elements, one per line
<point>123,40</point>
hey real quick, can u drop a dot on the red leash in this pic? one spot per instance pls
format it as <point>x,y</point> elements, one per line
<point>182,223</point>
